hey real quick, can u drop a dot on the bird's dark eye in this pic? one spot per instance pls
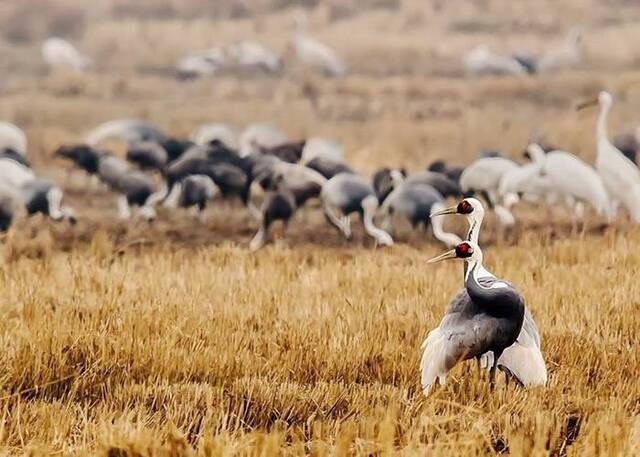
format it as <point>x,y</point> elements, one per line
<point>464,207</point>
<point>464,250</point>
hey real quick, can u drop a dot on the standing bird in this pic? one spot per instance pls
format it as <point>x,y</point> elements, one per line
<point>523,360</point>
<point>486,317</point>
<point>314,54</point>
<point>12,137</point>
<point>571,179</point>
<point>346,194</point>
<point>57,52</point>
<point>620,176</point>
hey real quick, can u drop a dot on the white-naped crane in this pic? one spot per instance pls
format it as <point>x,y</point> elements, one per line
<point>620,176</point>
<point>21,188</point>
<point>260,135</point>
<point>482,177</point>
<point>315,54</point>
<point>523,360</point>
<point>216,131</point>
<point>415,202</point>
<point>345,194</point>
<point>13,138</point>
<point>486,317</point>
<point>571,180</point>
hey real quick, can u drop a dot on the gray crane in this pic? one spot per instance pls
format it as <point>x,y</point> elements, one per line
<point>523,360</point>
<point>487,317</point>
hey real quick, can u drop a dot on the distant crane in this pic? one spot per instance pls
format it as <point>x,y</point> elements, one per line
<point>315,54</point>
<point>620,176</point>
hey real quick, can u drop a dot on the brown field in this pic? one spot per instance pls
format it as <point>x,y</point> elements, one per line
<point>172,339</point>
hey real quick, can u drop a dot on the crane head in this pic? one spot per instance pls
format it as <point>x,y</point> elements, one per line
<point>465,207</point>
<point>464,250</point>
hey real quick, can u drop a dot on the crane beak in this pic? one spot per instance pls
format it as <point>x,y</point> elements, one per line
<point>442,212</point>
<point>446,256</point>
<point>586,104</point>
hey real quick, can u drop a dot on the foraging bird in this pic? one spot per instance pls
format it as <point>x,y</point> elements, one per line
<point>57,52</point>
<point>260,135</point>
<point>224,133</point>
<point>322,148</point>
<point>231,173</point>
<point>9,153</point>
<point>440,182</point>
<point>200,63</point>
<point>481,61</point>
<point>571,179</point>
<point>279,205</point>
<point>487,317</point>
<point>132,186</point>
<point>128,130</point>
<point>620,176</point>
<point>12,137</point>
<point>328,167</point>
<point>287,152</point>
<point>452,172</point>
<point>83,156</point>
<point>483,177</point>
<point>346,194</point>
<point>195,192</point>
<point>34,194</point>
<point>523,360</point>
<point>415,202</point>
<point>254,56</point>
<point>385,180</point>
<point>314,54</point>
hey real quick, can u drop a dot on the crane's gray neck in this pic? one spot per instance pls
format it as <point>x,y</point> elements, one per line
<point>498,297</point>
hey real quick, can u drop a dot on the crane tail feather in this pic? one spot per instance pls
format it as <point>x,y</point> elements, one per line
<point>525,363</point>
<point>433,365</point>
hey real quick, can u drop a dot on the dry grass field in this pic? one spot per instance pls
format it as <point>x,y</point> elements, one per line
<point>173,339</point>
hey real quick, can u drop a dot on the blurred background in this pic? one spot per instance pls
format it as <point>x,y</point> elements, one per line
<point>407,94</point>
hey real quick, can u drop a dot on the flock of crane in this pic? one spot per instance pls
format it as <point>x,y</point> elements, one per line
<point>249,55</point>
<point>273,177</point>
